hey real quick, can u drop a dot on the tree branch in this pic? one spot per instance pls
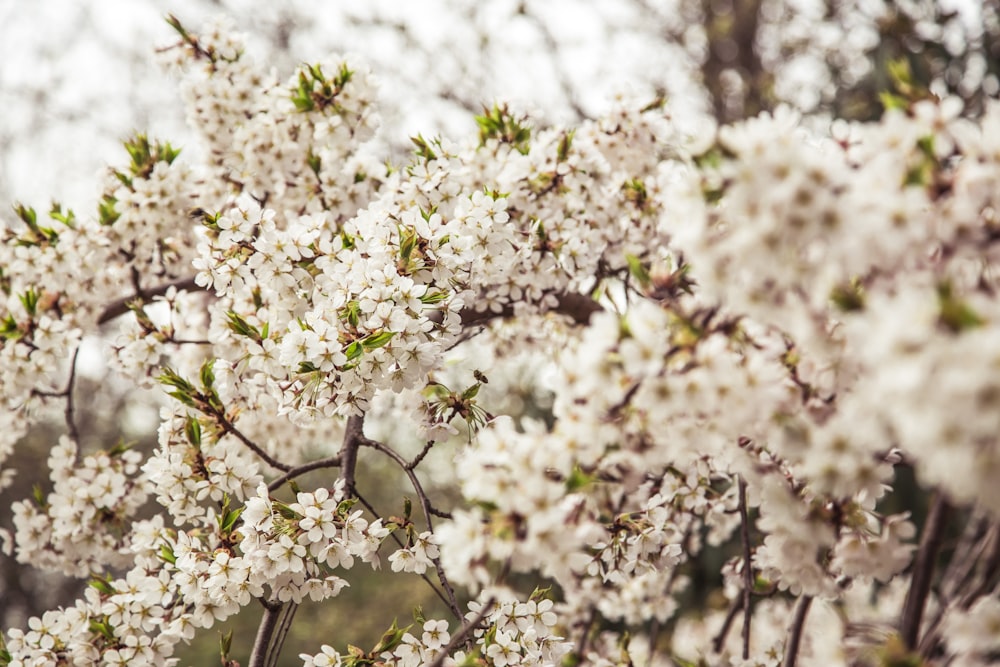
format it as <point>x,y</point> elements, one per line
<point>462,633</point>
<point>923,571</point>
<point>425,506</point>
<point>720,639</point>
<point>747,567</point>
<point>329,462</point>
<point>229,427</point>
<point>278,641</point>
<point>354,437</point>
<point>795,633</point>
<point>399,542</point>
<point>120,307</point>
<point>578,307</point>
<point>268,623</point>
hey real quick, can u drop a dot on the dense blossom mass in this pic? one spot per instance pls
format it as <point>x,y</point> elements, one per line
<point>645,344</point>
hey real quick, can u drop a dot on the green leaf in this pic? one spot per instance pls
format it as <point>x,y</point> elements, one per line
<point>307,367</point>
<point>565,143</point>
<point>578,479</point>
<point>314,161</point>
<point>956,315</point>
<point>230,519</point>
<point>431,298</point>
<point>424,149</point>
<point>499,123</point>
<point>106,213</point>
<point>638,270</point>
<point>351,313</point>
<point>192,430</point>
<point>407,242</point>
<point>29,300</point>
<point>391,638</point>
<point>68,218</point>
<point>102,584</point>
<point>238,325</point>
<point>375,341</point>
<point>225,645</point>
<point>206,374</point>
<point>9,329</point>
<point>167,554</point>
<point>39,495</point>
<point>354,350</point>
<point>102,628</point>
<point>849,298</point>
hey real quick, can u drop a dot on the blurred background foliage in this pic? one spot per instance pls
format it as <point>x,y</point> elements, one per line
<point>77,77</point>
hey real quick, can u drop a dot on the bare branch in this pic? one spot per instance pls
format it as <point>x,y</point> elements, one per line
<point>923,571</point>
<point>354,437</point>
<point>720,639</point>
<point>795,632</point>
<point>747,566</point>
<point>330,462</point>
<point>462,633</point>
<point>120,307</point>
<point>578,307</point>
<point>229,427</point>
<point>268,623</point>
<point>278,641</point>
<point>425,506</point>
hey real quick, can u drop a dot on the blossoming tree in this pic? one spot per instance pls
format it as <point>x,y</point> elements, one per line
<point>634,341</point>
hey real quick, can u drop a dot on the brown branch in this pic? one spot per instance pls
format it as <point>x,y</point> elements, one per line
<point>795,633</point>
<point>425,506</point>
<point>278,641</point>
<point>354,437</point>
<point>462,633</point>
<point>923,571</point>
<point>747,567</point>
<point>68,411</point>
<point>581,644</point>
<point>121,306</point>
<point>399,542</point>
<point>734,608</point>
<point>420,457</point>
<point>230,428</point>
<point>329,462</point>
<point>578,307</point>
<point>268,623</point>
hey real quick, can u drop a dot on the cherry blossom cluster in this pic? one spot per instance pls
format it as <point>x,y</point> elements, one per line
<point>628,351</point>
<point>506,631</point>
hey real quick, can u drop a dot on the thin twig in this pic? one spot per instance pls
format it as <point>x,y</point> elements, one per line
<point>923,571</point>
<point>399,542</point>
<point>68,412</point>
<point>420,457</point>
<point>795,632</point>
<point>747,567</point>
<point>734,608</point>
<point>329,462</point>
<point>581,644</point>
<point>66,393</point>
<point>425,506</point>
<point>977,538</point>
<point>229,427</point>
<point>467,628</point>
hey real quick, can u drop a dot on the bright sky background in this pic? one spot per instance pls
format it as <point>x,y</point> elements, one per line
<point>96,63</point>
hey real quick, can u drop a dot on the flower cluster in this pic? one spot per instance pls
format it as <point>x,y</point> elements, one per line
<point>627,352</point>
